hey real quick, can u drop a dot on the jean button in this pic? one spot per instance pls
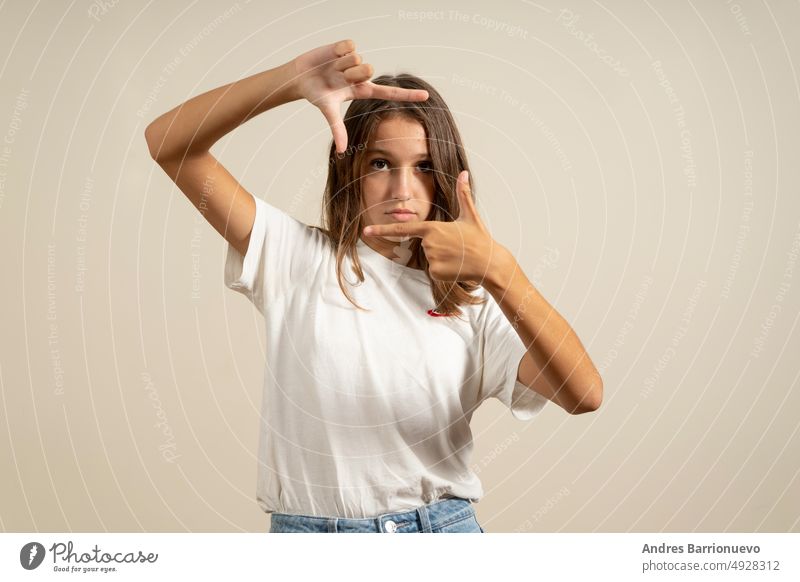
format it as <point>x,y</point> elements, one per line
<point>390,526</point>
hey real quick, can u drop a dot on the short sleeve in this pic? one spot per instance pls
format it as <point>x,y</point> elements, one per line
<point>281,251</point>
<point>502,350</point>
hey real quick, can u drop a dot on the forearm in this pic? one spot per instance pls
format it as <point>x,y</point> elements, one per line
<point>551,342</point>
<point>195,125</point>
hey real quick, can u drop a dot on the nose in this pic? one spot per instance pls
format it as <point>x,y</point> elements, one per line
<point>401,184</point>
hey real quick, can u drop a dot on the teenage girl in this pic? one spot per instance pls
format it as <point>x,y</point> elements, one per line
<point>388,325</point>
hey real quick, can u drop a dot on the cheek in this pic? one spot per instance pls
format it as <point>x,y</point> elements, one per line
<point>430,193</point>
<point>371,200</point>
<point>372,187</point>
<point>368,197</point>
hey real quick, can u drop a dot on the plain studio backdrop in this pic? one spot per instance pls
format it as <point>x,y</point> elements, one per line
<point>638,158</point>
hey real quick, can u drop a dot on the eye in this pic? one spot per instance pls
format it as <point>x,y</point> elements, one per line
<point>380,164</point>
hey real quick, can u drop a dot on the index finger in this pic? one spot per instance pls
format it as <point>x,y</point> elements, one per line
<point>412,229</point>
<point>397,93</point>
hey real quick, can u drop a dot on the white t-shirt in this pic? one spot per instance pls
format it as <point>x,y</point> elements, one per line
<point>366,413</point>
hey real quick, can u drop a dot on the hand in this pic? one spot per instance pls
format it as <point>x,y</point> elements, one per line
<point>462,250</point>
<point>329,75</point>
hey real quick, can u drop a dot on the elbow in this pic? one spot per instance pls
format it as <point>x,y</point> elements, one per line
<point>151,140</point>
<point>162,153</point>
<point>592,398</point>
<point>155,143</point>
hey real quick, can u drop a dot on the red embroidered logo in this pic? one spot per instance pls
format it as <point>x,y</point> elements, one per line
<point>434,313</point>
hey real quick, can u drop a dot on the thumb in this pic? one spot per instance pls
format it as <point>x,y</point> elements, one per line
<point>334,118</point>
<point>466,208</point>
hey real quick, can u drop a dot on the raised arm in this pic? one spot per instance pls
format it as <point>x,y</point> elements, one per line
<point>180,140</point>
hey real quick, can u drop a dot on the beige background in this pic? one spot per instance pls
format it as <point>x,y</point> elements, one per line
<point>645,177</point>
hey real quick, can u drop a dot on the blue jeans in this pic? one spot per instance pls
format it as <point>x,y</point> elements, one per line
<point>452,515</point>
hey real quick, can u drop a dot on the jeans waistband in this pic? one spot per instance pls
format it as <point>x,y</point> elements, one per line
<point>423,519</point>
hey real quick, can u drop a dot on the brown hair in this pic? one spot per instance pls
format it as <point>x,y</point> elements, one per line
<point>341,213</point>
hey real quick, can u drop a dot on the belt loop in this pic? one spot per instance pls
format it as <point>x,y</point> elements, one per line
<point>332,525</point>
<point>424,519</point>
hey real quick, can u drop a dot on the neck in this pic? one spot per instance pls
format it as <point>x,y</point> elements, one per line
<point>390,250</point>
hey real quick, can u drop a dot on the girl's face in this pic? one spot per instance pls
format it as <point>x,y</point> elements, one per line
<point>397,173</point>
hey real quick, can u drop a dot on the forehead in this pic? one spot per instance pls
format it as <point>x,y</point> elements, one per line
<point>399,134</point>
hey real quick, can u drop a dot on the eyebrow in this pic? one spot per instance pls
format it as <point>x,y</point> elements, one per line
<point>389,154</point>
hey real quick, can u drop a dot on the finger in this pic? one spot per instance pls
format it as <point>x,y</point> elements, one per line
<point>414,229</point>
<point>347,61</point>
<point>358,73</point>
<point>334,118</point>
<point>397,93</point>
<point>344,47</point>
<point>467,210</point>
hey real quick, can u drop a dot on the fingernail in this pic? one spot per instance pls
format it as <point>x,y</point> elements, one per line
<point>368,230</point>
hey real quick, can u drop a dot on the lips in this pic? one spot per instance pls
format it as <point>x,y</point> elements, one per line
<point>401,211</point>
<point>403,216</point>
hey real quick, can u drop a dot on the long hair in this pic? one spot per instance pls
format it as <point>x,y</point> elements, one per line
<point>342,216</point>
